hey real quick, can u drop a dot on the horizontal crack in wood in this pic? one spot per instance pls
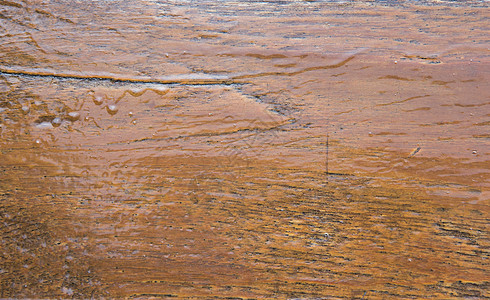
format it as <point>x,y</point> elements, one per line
<point>119,78</point>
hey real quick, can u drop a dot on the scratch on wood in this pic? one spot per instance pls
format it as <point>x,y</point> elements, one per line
<point>415,151</point>
<point>326,159</point>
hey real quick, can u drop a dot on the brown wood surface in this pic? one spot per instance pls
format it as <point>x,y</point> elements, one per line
<point>280,149</point>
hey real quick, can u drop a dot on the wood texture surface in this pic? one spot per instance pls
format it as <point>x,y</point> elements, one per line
<point>244,150</point>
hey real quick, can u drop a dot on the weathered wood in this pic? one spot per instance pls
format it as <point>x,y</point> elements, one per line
<point>295,149</point>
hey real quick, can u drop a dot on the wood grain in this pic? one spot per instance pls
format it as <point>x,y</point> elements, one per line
<point>307,150</point>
